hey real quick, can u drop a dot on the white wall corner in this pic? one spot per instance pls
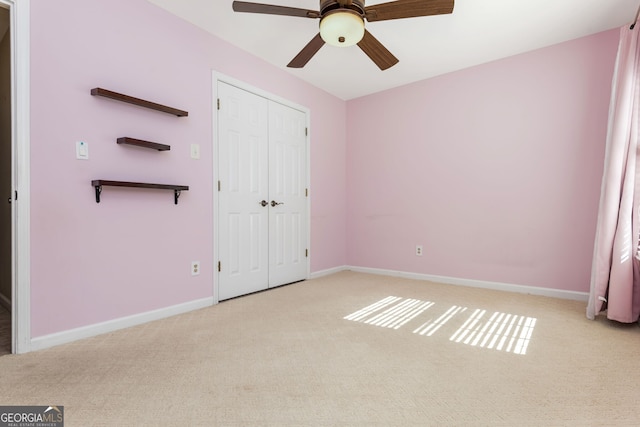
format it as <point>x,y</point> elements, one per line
<point>327,272</point>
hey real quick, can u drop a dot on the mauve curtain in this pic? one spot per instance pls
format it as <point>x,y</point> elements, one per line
<point>615,273</point>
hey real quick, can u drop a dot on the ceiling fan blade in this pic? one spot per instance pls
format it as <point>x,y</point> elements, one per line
<point>243,6</point>
<point>307,52</point>
<point>407,9</point>
<point>377,52</point>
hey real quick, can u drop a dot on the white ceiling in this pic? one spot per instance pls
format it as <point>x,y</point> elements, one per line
<point>478,31</point>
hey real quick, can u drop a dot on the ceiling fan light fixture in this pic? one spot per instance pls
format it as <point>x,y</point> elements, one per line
<point>342,28</point>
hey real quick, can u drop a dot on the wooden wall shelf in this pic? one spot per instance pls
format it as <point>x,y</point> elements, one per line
<point>142,143</point>
<point>137,101</point>
<point>98,183</point>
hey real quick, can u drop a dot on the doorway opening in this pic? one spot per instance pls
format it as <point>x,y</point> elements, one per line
<point>6,263</point>
<point>15,174</point>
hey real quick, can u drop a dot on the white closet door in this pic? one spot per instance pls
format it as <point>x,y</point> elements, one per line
<point>244,177</point>
<point>262,210</point>
<point>288,218</point>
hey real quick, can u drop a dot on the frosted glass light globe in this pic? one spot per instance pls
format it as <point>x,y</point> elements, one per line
<point>342,28</point>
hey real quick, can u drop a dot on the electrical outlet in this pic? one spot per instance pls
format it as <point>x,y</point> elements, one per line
<point>418,250</point>
<point>195,268</point>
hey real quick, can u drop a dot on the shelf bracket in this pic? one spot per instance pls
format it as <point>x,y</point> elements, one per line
<point>98,191</point>
<point>176,196</point>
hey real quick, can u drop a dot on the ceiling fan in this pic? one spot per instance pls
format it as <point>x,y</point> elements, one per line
<point>342,23</point>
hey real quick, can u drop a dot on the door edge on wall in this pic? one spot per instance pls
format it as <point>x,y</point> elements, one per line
<point>19,16</point>
<point>219,77</point>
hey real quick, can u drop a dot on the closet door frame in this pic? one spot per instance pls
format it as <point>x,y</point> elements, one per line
<point>219,77</point>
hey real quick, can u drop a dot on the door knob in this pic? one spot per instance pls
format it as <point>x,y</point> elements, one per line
<point>274,203</point>
<point>264,203</point>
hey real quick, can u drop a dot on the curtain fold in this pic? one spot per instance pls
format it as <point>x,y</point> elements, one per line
<point>615,274</point>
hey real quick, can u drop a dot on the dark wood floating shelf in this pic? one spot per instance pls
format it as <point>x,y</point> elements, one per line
<point>137,101</point>
<point>98,183</point>
<point>141,143</point>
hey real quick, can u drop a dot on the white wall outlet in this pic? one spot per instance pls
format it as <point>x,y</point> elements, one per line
<point>195,151</point>
<point>418,250</point>
<point>82,150</point>
<point>195,268</point>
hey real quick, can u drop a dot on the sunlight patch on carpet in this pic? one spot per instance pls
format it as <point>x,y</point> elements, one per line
<point>399,312</point>
<point>501,331</point>
<point>429,328</point>
<point>361,314</point>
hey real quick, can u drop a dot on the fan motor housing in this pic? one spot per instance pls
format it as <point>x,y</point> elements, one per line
<point>327,6</point>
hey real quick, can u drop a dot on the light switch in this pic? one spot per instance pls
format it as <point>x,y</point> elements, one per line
<point>195,151</point>
<point>82,150</point>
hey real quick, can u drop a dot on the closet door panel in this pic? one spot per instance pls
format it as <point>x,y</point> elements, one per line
<point>287,193</point>
<point>244,176</point>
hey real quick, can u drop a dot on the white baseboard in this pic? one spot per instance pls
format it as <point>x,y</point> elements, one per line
<point>497,286</point>
<point>5,302</point>
<point>328,271</point>
<point>64,337</point>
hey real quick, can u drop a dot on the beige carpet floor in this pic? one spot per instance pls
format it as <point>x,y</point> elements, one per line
<point>337,351</point>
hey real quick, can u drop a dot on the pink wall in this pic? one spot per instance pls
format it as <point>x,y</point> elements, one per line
<point>495,169</point>
<point>131,253</point>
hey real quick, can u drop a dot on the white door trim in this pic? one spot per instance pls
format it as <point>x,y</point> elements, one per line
<point>20,139</point>
<point>219,77</point>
